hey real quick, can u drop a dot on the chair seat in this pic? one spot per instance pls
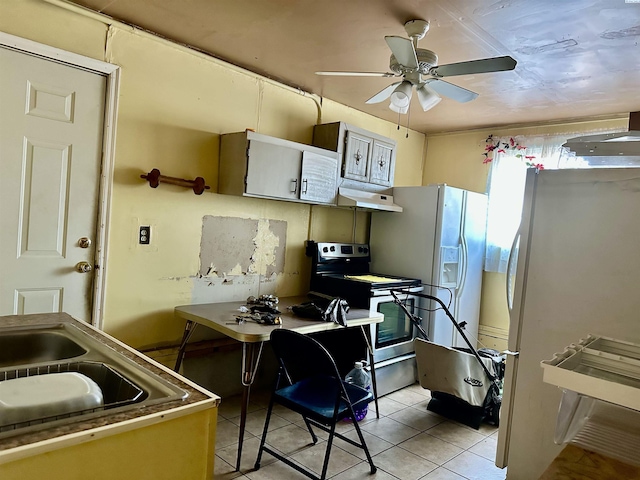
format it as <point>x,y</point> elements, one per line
<point>316,397</point>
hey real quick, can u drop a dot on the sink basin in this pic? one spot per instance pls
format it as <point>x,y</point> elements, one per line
<point>25,348</point>
<point>55,348</point>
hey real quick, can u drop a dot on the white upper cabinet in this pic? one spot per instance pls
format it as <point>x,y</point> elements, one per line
<point>257,165</point>
<point>319,178</point>
<point>273,170</point>
<point>382,158</point>
<point>368,159</point>
<point>356,157</point>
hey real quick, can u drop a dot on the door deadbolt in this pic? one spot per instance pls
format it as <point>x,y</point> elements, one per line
<point>84,267</point>
<point>84,242</point>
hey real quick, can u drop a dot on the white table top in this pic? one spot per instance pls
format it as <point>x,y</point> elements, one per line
<point>221,317</point>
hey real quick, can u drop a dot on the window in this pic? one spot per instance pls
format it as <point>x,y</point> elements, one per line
<point>505,187</point>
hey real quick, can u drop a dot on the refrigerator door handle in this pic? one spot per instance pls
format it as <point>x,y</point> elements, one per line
<point>511,270</point>
<point>462,271</point>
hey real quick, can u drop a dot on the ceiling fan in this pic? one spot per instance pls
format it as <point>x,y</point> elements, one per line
<point>419,68</point>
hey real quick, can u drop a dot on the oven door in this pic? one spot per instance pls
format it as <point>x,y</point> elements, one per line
<point>394,336</point>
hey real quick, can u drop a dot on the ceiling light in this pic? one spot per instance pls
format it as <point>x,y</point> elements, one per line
<point>401,97</point>
<point>401,110</point>
<point>428,97</point>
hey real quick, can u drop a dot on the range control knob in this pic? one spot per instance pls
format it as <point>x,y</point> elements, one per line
<point>325,249</point>
<point>333,249</point>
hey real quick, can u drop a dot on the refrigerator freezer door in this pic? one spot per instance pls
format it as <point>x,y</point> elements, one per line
<point>578,272</point>
<point>447,266</point>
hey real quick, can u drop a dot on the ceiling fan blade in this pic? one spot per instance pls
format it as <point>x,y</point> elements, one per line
<point>452,91</point>
<point>403,50</point>
<point>357,74</point>
<point>383,94</point>
<point>486,65</point>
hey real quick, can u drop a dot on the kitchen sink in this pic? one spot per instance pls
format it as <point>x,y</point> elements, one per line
<point>56,348</point>
<point>43,345</point>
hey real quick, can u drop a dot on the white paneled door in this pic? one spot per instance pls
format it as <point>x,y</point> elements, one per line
<point>51,129</point>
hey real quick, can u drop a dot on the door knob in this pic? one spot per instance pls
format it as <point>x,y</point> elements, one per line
<point>84,267</point>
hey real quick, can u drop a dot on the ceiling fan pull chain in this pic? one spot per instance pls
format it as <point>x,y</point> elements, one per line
<point>408,120</point>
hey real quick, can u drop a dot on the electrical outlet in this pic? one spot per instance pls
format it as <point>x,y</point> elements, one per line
<point>144,237</point>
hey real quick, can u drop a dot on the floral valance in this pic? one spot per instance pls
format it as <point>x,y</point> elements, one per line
<point>509,146</point>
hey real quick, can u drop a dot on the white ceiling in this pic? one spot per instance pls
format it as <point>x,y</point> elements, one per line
<point>576,58</point>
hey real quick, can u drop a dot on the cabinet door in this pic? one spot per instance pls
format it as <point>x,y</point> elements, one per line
<point>381,168</point>
<point>319,178</point>
<point>273,170</point>
<point>356,156</point>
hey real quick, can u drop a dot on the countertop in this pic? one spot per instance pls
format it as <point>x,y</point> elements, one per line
<point>140,414</point>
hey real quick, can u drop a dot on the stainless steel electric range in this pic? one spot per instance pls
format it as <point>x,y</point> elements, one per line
<point>342,270</point>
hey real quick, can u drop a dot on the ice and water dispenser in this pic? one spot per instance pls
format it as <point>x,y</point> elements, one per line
<point>449,267</point>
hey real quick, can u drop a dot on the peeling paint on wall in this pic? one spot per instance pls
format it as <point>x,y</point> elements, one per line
<point>239,246</point>
<point>268,258</point>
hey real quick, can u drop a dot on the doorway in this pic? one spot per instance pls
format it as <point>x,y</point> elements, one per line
<point>56,121</point>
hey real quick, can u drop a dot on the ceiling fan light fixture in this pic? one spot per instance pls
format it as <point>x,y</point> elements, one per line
<point>428,97</point>
<point>401,96</point>
<point>401,110</point>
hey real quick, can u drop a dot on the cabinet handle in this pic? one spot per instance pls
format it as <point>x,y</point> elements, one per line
<point>305,185</point>
<point>358,156</point>
<point>381,162</point>
<point>294,185</point>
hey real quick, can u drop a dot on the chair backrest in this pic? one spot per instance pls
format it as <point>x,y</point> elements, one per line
<point>302,356</point>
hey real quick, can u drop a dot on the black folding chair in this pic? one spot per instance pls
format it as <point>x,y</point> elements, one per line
<point>308,383</point>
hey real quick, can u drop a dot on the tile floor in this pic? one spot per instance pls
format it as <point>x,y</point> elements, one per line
<point>407,442</point>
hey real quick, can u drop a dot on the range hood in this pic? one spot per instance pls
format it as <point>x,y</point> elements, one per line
<point>610,149</point>
<point>349,197</point>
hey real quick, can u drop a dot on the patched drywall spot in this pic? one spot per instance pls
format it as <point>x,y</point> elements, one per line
<point>226,245</point>
<point>239,246</point>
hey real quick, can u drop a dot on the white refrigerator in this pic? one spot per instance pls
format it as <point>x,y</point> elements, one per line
<point>577,273</point>
<point>439,237</point>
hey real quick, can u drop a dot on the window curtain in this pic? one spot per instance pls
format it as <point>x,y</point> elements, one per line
<point>505,188</point>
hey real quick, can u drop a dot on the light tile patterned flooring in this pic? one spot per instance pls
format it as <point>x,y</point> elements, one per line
<point>407,442</point>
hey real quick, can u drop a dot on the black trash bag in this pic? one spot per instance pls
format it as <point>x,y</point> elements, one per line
<point>492,404</point>
<point>308,310</point>
<point>499,360</point>
<point>336,311</point>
